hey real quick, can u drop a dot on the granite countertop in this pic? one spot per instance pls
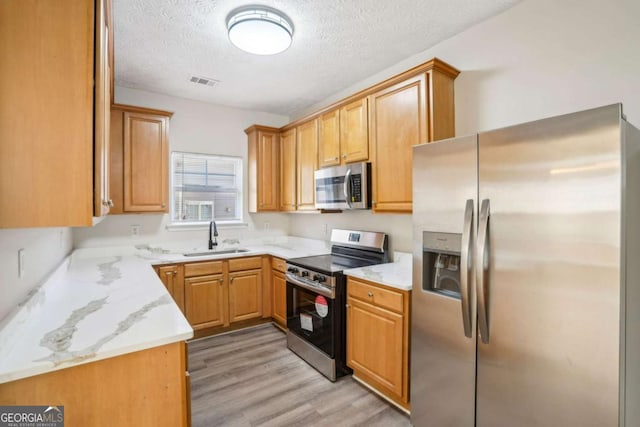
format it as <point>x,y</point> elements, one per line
<point>106,302</point>
<point>396,274</point>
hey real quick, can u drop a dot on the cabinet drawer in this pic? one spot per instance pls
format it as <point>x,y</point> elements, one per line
<point>376,295</point>
<point>249,263</point>
<point>279,264</point>
<point>202,268</point>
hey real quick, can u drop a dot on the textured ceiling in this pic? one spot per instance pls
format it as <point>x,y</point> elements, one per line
<point>160,44</point>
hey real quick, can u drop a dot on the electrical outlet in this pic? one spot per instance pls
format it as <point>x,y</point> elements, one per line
<point>21,265</point>
<point>265,226</point>
<point>135,230</point>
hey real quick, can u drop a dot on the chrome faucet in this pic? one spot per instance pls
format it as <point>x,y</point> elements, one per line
<point>213,241</point>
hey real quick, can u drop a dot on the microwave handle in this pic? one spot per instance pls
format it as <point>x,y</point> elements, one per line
<point>347,188</point>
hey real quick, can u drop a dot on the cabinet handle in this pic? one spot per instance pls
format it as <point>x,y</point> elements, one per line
<point>344,156</point>
<point>175,273</point>
<point>231,280</point>
<point>164,205</point>
<point>370,294</point>
<point>347,305</point>
<point>220,281</point>
<point>373,202</point>
<point>110,203</point>
<point>335,158</point>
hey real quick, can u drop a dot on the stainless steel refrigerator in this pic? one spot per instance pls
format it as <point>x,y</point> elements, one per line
<point>526,275</point>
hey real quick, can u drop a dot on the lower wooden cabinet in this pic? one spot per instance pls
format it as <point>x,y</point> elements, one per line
<point>279,291</point>
<point>173,278</point>
<point>378,337</point>
<point>245,295</point>
<point>205,301</point>
<point>218,293</point>
<point>143,388</point>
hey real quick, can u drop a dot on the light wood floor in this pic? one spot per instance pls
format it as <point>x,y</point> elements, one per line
<point>250,378</point>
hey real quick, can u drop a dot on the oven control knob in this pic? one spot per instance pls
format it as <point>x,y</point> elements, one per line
<point>292,270</point>
<point>319,278</point>
<point>305,274</point>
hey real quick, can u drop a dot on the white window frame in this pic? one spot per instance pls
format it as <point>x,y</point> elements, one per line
<point>192,225</point>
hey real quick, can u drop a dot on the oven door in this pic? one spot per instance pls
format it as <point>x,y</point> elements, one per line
<point>311,315</point>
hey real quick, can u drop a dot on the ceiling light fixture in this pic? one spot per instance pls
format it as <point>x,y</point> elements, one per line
<point>260,30</point>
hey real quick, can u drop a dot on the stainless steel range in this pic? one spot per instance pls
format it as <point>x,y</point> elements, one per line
<point>316,298</point>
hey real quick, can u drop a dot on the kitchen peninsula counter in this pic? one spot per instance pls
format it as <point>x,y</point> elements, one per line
<point>106,302</point>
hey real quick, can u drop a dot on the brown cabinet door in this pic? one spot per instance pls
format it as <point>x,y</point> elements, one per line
<point>279,299</point>
<point>329,139</point>
<point>375,344</point>
<point>146,155</point>
<point>307,161</point>
<point>267,171</point>
<point>288,170</point>
<point>245,295</point>
<point>205,301</point>
<point>354,131</point>
<point>398,121</point>
<point>173,278</point>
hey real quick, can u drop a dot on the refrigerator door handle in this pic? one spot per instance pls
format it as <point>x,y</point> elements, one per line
<point>482,271</point>
<point>466,267</point>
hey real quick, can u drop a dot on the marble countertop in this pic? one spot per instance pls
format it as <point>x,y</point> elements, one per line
<point>106,302</point>
<point>396,274</point>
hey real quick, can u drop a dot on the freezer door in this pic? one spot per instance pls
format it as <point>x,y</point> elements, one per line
<point>444,217</point>
<point>549,274</point>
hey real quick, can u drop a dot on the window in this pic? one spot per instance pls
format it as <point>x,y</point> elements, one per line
<point>205,187</point>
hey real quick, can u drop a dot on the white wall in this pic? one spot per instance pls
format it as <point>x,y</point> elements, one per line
<point>195,127</point>
<point>44,249</point>
<point>540,58</point>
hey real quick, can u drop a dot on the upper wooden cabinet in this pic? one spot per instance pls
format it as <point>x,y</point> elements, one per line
<point>307,163</point>
<point>343,135</point>
<point>354,131</point>
<point>398,122</point>
<point>381,124</point>
<point>329,139</point>
<point>263,169</point>
<point>49,110</point>
<point>139,176</point>
<point>288,170</point>
<point>412,111</point>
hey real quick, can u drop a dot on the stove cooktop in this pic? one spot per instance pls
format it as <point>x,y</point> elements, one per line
<point>329,264</point>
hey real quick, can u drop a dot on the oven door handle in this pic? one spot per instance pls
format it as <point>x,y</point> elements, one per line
<point>329,293</point>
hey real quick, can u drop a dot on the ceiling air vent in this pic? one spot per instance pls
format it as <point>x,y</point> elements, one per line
<point>206,81</point>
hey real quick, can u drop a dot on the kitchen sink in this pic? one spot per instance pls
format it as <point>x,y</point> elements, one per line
<point>227,251</point>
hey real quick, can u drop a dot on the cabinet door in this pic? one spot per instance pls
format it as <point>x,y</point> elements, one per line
<point>267,171</point>
<point>288,170</point>
<point>329,139</point>
<point>307,161</point>
<point>374,344</point>
<point>398,121</point>
<point>354,131</point>
<point>146,154</point>
<point>245,295</point>
<point>46,113</point>
<point>205,301</point>
<point>102,200</point>
<point>173,278</point>
<point>279,299</point>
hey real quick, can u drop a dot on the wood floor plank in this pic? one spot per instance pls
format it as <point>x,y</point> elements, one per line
<point>248,378</point>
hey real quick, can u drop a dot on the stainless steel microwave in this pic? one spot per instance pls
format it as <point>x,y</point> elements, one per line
<point>344,187</point>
